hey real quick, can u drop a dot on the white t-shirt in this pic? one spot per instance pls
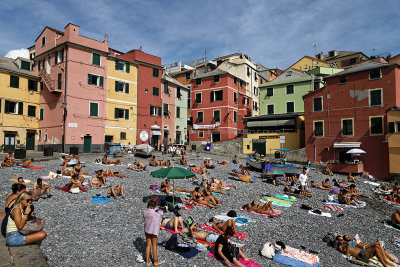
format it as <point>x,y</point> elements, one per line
<point>303,179</point>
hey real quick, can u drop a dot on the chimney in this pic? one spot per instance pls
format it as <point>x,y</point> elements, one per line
<point>105,38</point>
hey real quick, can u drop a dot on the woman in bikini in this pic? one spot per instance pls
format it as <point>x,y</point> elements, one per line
<point>260,208</point>
<point>207,191</point>
<point>67,171</point>
<point>78,169</point>
<point>221,226</point>
<point>198,197</point>
<point>116,191</point>
<point>172,224</point>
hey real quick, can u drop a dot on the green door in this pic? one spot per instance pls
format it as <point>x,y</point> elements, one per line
<point>9,143</point>
<point>259,148</point>
<point>30,141</point>
<point>87,144</point>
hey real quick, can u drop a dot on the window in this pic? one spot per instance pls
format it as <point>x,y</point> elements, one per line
<point>41,113</point>
<point>25,65</point>
<point>353,60</point>
<point>94,109</point>
<point>241,83</point>
<point>343,79</point>
<point>318,128</point>
<point>32,55</point>
<point>156,91</point>
<point>41,64</point>
<point>255,76</point>
<point>376,125</point>
<point>216,96</point>
<point>122,136</point>
<point>255,106</point>
<point>234,80</point>
<point>246,101</point>
<point>199,116</point>
<point>316,85</point>
<point>122,113</point>
<point>166,111</point>
<point>375,97</point>
<point>59,81</point>
<point>155,111</point>
<point>248,72</point>
<point>166,90</point>
<point>14,81</point>
<point>216,78</point>
<point>96,59</point>
<point>217,116</point>
<point>375,74</point>
<point>347,126</point>
<point>155,72</point>
<point>32,85</point>
<point>397,127</point>
<point>178,112</point>
<point>43,40</point>
<point>31,111</point>
<point>201,134</point>
<point>41,86</point>
<point>317,104</point>
<point>289,89</point>
<point>121,87</point>
<point>198,81</point>
<point>289,73</point>
<point>13,107</point>
<point>178,92</point>
<point>59,56</point>
<point>235,116</point>
<point>270,91</point>
<point>187,75</point>
<point>270,109</point>
<point>198,98</point>
<point>45,137</point>
<point>235,99</point>
<point>289,107</point>
<point>95,80</point>
<point>391,128</point>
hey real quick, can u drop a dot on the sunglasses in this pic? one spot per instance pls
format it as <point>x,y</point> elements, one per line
<point>29,200</point>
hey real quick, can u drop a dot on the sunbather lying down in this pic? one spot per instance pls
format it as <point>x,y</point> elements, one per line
<point>261,208</point>
<point>167,188</point>
<point>218,184</point>
<point>137,166</point>
<point>363,252</point>
<point>112,173</point>
<point>241,171</point>
<point>208,201</point>
<point>221,226</point>
<point>314,185</point>
<point>115,191</point>
<point>172,224</point>
<point>105,161</point>
<point>222,163</point>
<point>346,198</point>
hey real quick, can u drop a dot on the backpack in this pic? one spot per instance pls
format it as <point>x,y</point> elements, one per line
<point>5,221</point>
<point>268,250</point>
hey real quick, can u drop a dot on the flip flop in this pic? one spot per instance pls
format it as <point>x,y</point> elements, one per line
<point>159,263</point>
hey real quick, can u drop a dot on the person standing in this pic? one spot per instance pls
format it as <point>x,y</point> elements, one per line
<point>303,179</point>
<point>152,223</point>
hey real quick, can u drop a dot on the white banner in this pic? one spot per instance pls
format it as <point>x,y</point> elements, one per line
<point>210,126</point>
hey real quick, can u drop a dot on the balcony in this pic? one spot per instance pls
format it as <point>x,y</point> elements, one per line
<point>352,167</point>
<point>49,83</point>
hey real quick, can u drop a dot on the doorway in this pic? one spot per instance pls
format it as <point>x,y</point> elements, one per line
<point>215,137</point>
<point>154,141</point>
<point>178,138</point>
<point>87,144</point>
<point>259,147</point>
<point>30,141</point>
<point>9,143</point>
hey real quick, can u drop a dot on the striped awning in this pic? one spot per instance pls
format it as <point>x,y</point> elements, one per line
<point>271,123</point>
<point>346,144</point>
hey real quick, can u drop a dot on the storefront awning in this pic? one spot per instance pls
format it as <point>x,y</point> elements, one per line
<point>346,144</point>
<point>155,132</point>
<point>270,123</point>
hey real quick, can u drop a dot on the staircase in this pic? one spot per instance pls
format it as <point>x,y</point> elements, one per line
<point>50,84</point>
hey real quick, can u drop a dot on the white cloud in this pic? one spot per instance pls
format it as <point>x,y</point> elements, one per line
<point>22,52</point>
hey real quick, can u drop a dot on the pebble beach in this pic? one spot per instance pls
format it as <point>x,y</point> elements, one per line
<point>81,233</point>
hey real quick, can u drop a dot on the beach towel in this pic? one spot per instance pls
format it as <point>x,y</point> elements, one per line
<point>35,168</point>
<point>19,168</point>
<point>376,262</point>
<point>332,208</point>
<point>285,198</point>
<point>240,221</point>
<point>205,242</point>
<point>65,188</point>
<point>278,200</point>
<point>389,224</point>
<point>276,203</point>
<point>31,168</point>
<point>154,187</point>
<point>237,235</point>
<point>187,207</point>
<point>245,263</point>
<point>246,179</point>
<point>26,181</point>
<point>381,192</point>
<point>171,231</point>
<point>291,262</point>
<point>100,199</point>
<point>300,255</point>
<point>277,212</point>
<point>324,214</point>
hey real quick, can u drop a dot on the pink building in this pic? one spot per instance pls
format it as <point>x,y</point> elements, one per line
<point>73,71</point>
<point>168,117</point>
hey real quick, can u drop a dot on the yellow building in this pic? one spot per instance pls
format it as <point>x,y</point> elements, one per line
<point>393,118</point>
<point>342,59</point>
<point>307,63</point>
<point>266,133</point>
<point>121,118</point>
<point>19,104</point>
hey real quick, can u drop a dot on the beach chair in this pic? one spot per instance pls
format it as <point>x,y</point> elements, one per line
<point>246,179</point>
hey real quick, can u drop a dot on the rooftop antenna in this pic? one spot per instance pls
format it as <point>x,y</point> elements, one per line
<point>205,55</point>
<point>140,48</point>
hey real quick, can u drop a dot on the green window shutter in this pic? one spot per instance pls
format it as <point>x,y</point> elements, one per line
<point>7,106</point>
<point>128,67</point>
<point>126,114</point>
<point>94,110</point>
<point>116,64</point>
<point>116,86</point>
<point>55,57</point>
<point>41,114</point>
<point>96,59</point>
<point>151,110</point>
<point>127,88</point>
<point>59,81</point>
<point>116,113</point>
<point>101,81</point>
<point>35,83</point>
<point>21,108</point>
<point>89,78</point>
<point>178,112</point>
<point>159,111</point>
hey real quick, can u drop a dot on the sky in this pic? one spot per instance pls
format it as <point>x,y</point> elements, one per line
<point>273,33</point>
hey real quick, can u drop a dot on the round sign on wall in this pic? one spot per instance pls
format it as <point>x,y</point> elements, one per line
<point>144,136</point>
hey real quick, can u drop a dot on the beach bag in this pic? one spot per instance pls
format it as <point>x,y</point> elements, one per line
<point>232,214</point>
<point>5,221</point>
<point>32,226</point>
<point>268,250</point>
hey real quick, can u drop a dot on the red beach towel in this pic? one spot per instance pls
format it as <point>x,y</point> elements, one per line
<point>245,263</point>
<point>237,235</point>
